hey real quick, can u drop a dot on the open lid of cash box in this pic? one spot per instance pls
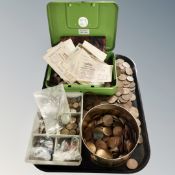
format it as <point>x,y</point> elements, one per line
<point>97,18</point>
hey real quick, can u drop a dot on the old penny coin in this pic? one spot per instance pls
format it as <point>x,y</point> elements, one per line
<point>107,131</point>
<point>91,147</point>
<point>122,77</point>
<point>107,120</point>
<point>126,97</point>
<point>132,164</point>
<point>112,99</point>
<point>75,105</point>
<point>64,131</point>
<point>126,65</point>
<point>133,97</point>
<point>100,144</point>
<point>114,141</point>
<point>104,153</point>
<point>126,91</point>
<point>117,131</point>
<point>130,78</point>
<point>134,111</point>
<point>129,71</point>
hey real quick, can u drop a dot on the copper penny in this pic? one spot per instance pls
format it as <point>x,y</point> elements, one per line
<point>132,164</point>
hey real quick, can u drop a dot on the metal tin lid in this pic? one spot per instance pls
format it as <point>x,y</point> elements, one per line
<point>98,18</point>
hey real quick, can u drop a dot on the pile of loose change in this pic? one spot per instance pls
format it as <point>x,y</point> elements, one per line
<point>72,128</point>
<point>109,136</point>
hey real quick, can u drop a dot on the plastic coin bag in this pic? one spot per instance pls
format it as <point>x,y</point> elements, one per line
<point>67,150</point>
<point>42,148</point>
<point>52,103</point>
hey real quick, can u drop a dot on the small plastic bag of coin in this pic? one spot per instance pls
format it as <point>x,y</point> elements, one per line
<point>67,149</point>
<point>42,148</point>
<point>54,108</point>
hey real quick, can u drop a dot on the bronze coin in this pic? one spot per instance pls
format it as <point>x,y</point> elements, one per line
<point>126,97</point>
<point>132,164</point>
<point>122,77</point>
<point>117,131</point>
<point>75,105</point>
<point>73,120</point>
<point>107,120</point>
<point>126,91</point>
<point>132,85</point>
<point>134,111</point>
<point>129,71</point>
<point>126,65</point>
<point>112,99</point>
<point>114,141</point>
<point>64,131</point>
<point>130,78</point>
<point>72,132</point>
<point>107,131</point>
<point>104,154</point>
<point>91,147</point>
<point>120,61</point>
<point>100,144</point>
<point>87,133</point>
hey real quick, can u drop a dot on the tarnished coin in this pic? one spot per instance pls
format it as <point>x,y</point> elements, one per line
<point>72,110</point>
<point>75,105</point>
<point>129,71</point>
<point>132,164</point>
<point>107,131</point>
<point>71,126</point>
<point>112,99</point>
<point>120,61</point>
<point>120,84</point>
<point>126,91</point>
<point>64,131</point>
<point>132,89</point>
<point>73,120</point>
<point>126,65</point>
<point>117,131</point>
<point>100,144</point>
<point>98,133</point>
<point>127,105</point>
<point>118,93</point>
<point>121,100</point>
<point>91,147</point>
<point>114,141</point>
<point>132,85</point>
<point>72,132</point>
<point>104,153</point>
<point>128,145</point>
<point>126,97</point>
<point>88,133</point>
<point>107,120</point>
<point>133,97</point>
<point>130,78</point>
<point>134,111</point>
<point>122,77</point>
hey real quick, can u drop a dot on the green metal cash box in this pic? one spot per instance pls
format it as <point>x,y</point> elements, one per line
<point>84,19</point>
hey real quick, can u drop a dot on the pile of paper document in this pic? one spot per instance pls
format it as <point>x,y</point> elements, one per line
<point>83,64</point>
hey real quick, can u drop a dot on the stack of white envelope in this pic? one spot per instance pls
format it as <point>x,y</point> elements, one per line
<point>83,64</point>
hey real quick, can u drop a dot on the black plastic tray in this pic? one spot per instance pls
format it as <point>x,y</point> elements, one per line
<point>141,153</point>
